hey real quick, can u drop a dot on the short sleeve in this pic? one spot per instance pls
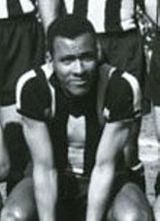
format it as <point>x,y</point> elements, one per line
<point>33,97</point>
<point>123,98</point>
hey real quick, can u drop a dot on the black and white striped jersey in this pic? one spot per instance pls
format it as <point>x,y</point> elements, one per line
<point>14,8</point>
<point>122,98</point>
<point>106,15</point>
<point>75,126</point>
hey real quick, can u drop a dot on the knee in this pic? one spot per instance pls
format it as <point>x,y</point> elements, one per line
<point>13,213</point>
<point>131,215</point>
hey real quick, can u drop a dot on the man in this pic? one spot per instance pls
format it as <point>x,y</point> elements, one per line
<point>117,30</point>
<point>22,48</point>
<point>68,116</point>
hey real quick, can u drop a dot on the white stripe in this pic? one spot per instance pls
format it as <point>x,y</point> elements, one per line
<point>127,15</point>
<point>135,89</point>
<point>69,6</point>
<point>151,9</point>
<point>111,72</point>
<point>3,9</point>
<point>53,100</point>
<point>48,69</point>
<point>27,6</point>
<point>20,85</point>
<point>96,14</point>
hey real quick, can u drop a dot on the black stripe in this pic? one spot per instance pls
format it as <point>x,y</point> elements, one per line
<point>112,15</point>
<point>80,7</point>
<point>14,8</point>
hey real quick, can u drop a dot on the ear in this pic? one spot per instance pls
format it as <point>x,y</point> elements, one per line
<point>48,57</point>
<point>99,50</point>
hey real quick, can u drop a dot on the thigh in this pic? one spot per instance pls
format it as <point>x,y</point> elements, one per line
<point>20,203</point>
<point>130,204</point>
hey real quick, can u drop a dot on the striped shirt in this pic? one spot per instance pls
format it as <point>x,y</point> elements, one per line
<point>75,129</point>
<point>106,15</point>
<point>153,10</point>
<point>112,15</point>
<point>15,8</point>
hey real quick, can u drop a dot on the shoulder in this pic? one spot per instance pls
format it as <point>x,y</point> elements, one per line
<point>34,79</point>
<point>33,94</point>
<point>121,96</point>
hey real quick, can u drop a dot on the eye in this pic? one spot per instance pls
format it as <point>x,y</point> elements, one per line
<point>88,57</point>
<point>67,60</point>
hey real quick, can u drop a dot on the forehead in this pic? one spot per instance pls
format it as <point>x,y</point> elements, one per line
<point>80,44</point>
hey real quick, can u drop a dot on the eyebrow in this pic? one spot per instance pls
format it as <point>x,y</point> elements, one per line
<point>81,55</point>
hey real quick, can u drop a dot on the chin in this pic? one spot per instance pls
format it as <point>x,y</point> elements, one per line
<point>79,93</point>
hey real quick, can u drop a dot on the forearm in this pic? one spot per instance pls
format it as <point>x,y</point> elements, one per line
<point>49,10</point>
<point>44,172</point>
<point>99,192</point>
<point>111,144</point>
<point>45,183</point>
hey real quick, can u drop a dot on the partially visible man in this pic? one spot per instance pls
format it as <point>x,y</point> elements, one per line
<point>69,119</point>
<point>22,47</point>
<point>122,47</point>
<point>154,12</point>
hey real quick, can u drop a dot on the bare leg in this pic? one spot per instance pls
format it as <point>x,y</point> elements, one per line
<point>130,204</point>
<point>20,204</point>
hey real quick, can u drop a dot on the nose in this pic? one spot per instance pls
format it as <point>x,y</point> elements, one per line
<point>78,67</point>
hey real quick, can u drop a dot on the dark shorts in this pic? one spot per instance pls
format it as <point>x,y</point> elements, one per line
<point>125,51</point>
<point>73,194</point>
<point>21,49</point>
<point>154,77</point>
<point>72,201</point>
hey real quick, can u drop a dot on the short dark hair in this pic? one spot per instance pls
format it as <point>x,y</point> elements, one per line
<point>69,26</point>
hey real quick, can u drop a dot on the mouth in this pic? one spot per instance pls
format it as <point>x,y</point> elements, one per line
<point>79,82</point>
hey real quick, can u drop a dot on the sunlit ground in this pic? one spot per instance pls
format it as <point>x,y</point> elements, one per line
<point>149,152</point>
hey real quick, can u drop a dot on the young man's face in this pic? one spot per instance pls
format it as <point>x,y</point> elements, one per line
<point>75,62</point>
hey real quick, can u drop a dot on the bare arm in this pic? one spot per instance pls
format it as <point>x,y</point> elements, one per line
<point>113,140</point>
<point>44,172</point>
<point>49,10</point>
